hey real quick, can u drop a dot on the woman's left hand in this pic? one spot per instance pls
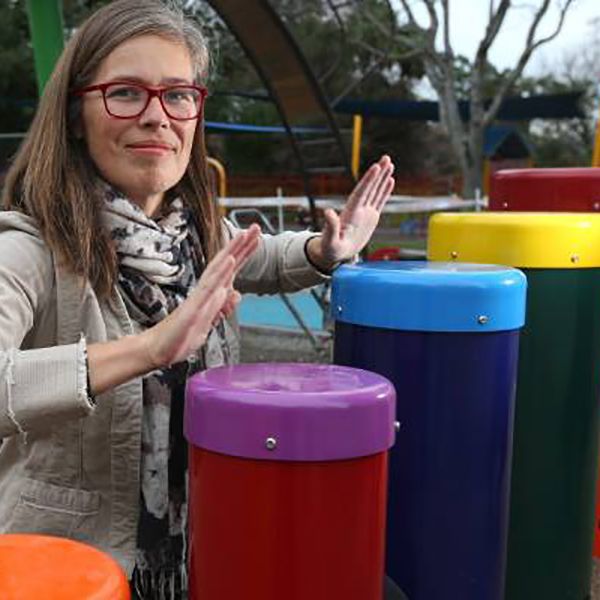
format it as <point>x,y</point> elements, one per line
<point>346,234</point>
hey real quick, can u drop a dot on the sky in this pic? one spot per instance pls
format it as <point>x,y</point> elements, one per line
<point>468,19</point>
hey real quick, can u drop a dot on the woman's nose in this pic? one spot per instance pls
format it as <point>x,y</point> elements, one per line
<point>154,114</point>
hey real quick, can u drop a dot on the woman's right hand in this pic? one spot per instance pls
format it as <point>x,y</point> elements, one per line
<point>185,330</point>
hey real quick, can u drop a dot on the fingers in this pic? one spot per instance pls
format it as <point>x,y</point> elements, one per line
<point>363,187</point>
<point>239,249</point>
<point>219,273</point>
<point>368,190</point>
<point>231,302</point>
<point>385,194</point>
<point>206,318</point>
<point>332,228</point>
<point>248,247</point>
<point>382,183</point>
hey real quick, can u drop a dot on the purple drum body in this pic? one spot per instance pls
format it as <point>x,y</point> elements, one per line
<point>452,358</point>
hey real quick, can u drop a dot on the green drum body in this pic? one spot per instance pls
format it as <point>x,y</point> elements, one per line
<point>555,452</point>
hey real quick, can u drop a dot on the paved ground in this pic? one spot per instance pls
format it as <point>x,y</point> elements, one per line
<point>267,345</point>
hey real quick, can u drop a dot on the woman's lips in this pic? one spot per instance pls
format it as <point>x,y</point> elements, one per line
<point>151,149</point>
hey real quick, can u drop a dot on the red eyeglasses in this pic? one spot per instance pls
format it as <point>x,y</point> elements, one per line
<point>126,100</point>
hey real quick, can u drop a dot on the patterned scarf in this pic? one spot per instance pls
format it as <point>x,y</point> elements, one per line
<point>160,261</point>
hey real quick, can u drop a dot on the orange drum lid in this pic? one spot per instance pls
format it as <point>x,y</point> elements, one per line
<point>33,567</point>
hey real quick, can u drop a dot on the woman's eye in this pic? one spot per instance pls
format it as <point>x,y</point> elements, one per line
<point>180,96</point>
<point>124,93</point>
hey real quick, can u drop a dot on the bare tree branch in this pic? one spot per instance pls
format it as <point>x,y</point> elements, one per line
<point>374,66</point>
<point>343,41</point>
<point>447,46</point>
<point>467,137</point>
<point>410,14</point>
<point>434,23</point>
<point>378,25</point>
<point>492,29</point>
<point>530,46</point>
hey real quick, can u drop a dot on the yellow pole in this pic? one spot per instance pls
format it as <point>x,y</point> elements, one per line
<point>356,140</point>
<point>596,156</point>
<point>487,176</point>
<point>221,175</point>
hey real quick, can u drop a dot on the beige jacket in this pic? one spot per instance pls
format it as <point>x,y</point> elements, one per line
<point>69,468</point>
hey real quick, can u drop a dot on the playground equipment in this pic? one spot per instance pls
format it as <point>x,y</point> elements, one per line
<point>221,175</point>
<point>556,423</point>
<point>596,155</point>
<point>292,86</point>
<point>33,567</point>
<point>236,217</point>
<point>548,190</point>
<point>447,336</point>
<point>46,27</point>
<point>288,475</point>
<point>574,190</point>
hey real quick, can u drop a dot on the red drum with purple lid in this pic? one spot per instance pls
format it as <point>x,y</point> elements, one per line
<point>288,481</point>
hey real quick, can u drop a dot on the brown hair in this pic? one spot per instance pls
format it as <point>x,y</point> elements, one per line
<point>53,178</point>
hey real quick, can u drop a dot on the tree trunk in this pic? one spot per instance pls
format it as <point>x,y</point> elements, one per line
<point>472,181</point>
<point>472,167</point>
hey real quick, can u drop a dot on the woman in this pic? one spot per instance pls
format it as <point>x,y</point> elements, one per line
<point>116,275</point>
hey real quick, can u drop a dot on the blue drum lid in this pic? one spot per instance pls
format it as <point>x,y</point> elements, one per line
<point>430,296</point>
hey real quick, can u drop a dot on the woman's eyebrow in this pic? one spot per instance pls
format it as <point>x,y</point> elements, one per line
<point>143,81</point>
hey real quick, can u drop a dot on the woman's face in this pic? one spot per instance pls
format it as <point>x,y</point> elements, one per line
<point>146,155</point>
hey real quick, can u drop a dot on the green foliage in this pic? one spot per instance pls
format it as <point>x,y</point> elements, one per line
<point>18,89</point>
<point>570,142</point>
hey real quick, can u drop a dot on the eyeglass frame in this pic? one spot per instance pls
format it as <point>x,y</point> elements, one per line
<point>153,91</point>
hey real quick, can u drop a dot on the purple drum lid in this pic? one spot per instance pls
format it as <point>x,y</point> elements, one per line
<point>290,411</point>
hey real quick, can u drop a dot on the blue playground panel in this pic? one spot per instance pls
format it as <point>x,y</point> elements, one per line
<point>270,311</point>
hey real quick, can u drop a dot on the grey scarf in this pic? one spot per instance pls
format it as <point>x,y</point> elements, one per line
<point>160,261</point>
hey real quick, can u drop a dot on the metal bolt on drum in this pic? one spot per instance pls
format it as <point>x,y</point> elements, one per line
<point>271,443</point>
<point>483,319</point>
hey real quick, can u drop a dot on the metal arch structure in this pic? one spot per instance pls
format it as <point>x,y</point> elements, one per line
<point>291,83</point>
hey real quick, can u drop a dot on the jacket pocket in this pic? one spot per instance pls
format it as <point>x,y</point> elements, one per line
<point>49,509</point>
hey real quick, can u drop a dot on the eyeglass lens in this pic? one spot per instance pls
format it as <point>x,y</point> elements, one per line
<point>130,100</point>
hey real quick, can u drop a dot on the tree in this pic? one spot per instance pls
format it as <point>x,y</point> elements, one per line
<point>467,138</point>
<point>568,143</point>
<point>348,57</point>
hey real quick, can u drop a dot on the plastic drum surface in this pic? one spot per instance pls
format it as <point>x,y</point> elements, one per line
<point>288,480</point>
<point>447,336</point>
<point>558,389</point>
<point>35,567</point>
<point>312,412</point>
<point>551,190</point>
<point>429,296</point>
<point>523,240</point>
<point>560,190</point>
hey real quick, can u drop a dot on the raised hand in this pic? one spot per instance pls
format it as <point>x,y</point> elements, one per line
<point>346,234</point>
<point>181,333</point>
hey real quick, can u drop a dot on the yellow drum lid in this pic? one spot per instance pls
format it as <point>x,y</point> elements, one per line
<point>526,240</point>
